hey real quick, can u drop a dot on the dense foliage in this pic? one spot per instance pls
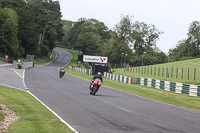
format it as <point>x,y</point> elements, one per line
<point>35,27</point>
<point>92,37</point>
<point>29,27</point>
<point>87,36</point>
<point>190,47</point>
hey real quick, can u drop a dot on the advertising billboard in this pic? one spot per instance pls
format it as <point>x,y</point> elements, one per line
<point>95,59</point>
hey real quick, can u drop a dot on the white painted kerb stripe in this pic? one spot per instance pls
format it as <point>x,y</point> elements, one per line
<point>11,87</point>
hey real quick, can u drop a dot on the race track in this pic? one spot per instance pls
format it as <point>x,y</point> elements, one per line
<point>110,111</point>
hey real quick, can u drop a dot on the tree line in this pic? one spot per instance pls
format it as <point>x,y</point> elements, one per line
<point>135,39</point>
<point>129,37</point>
<point>188,48</point>
<point>35,27</point>
<point>29,27</point>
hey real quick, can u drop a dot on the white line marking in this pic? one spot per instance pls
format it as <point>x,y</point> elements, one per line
<point>62,120</point>
<point>11,87</point>
<point>18,73</point>
<point>54,113</point>
<point>24,81</point>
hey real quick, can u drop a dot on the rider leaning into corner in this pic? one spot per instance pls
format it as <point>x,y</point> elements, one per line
<point>62,70</point>
<point>98,75</point>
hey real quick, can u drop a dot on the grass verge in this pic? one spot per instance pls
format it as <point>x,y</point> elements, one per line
<point>2,61</point>
<point>1,114</point>
<point>187,71</point>
<point>34,117</point>
<point>44,60</point>
<point>182,100</point>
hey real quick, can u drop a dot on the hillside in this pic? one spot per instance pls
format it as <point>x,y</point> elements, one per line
<point>178,71</point>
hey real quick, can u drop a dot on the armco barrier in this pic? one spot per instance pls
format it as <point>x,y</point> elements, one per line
<point>149,82</point>
<point>185,88</point>
<point>120,78</point>
<point>179,88</point>
<point>167,86</point>
<point>157,84</point>
<point>145,81</point>
<point>172,86</point>
<point>153,84</point>
<point>192,90</point>
<point>198,91</point>
<point>78,69</point>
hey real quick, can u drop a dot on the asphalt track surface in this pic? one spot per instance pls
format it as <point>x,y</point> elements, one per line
<point>9,78</point>
<point>111,110</point>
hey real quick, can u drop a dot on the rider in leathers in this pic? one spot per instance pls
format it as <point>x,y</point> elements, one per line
<point>62,71</point>
<point>98,75</point>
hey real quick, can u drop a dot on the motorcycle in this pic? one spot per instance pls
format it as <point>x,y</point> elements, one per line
<point>95,86</point>
<point>61,73</point>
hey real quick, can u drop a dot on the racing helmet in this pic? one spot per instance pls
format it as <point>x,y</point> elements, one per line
<point>99,74</point>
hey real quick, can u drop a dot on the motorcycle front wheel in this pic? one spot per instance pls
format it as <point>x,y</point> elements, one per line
<point>94,90</point>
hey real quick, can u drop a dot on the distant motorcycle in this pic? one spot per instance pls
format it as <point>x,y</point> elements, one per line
<point>61,73</point>
<point>95,86</point>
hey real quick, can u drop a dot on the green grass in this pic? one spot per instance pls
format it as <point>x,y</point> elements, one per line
<point>1,114</point>
<point>181,65</point>
<point>34,117</point>
<point>3,61</point>
<point>147,92</point>
<point>44,60</point>
<point>19,71</point>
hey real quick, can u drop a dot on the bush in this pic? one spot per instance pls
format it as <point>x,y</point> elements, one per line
<point>44,50</point>
<point>86,65</point>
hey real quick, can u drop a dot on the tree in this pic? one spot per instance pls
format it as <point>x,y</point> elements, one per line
<point>88,35</point>
<point>190,47</point>
<point>140,37</point>
<point>194,38</point>
<point>9,44</point>
<point>137,34</point>
<point>48,17</point>
<point>40,27</point>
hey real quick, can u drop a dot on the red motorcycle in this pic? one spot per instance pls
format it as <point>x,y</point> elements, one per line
<point>95,86</point>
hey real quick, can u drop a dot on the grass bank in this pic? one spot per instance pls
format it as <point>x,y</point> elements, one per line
<point>147,92</point>
<point>2,61</point>
<point>34,117</point>
<point>1,114</point>
<point>44,60</point>
<point>187,71</point>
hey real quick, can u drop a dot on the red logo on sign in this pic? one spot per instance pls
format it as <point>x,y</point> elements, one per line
<point>103,59</point>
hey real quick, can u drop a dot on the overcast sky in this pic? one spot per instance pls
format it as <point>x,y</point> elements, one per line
<point>173,17</point>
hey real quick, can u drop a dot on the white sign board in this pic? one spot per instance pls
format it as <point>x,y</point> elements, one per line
<point>96,59</point>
